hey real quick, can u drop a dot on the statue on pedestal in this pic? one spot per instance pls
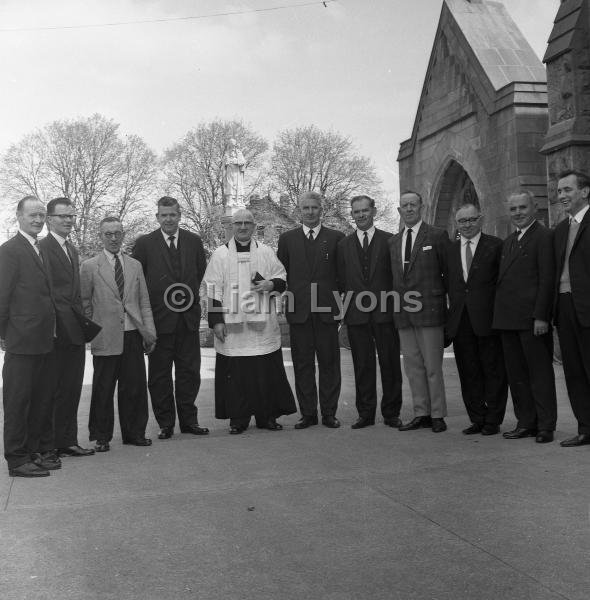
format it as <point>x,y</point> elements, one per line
<point>234,166</point>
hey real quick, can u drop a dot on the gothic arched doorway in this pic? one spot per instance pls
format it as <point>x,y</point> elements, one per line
<point>455,189</point>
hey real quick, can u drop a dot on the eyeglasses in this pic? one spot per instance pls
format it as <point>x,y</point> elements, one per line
<point>113,234</point>
<point>64,217</point>
<point>242,223</point>
<point>471,221</point>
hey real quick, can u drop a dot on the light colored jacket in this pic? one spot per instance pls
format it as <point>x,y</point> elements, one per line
<point>102,303</point>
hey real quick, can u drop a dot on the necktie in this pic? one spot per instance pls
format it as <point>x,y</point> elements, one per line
<point>310,236</point>
<point>514,241</point>
<point>365,242</point>
<point>68,251</point>
<point>119,278</point>
<point>174,257</point>
<point>408,251</point>
<point>468,255</point>
<point>38,249</point>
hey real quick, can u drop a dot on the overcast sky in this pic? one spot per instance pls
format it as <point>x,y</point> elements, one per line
<point>356,66</point>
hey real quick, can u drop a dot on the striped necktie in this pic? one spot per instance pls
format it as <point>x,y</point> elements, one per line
<point>119,278</point>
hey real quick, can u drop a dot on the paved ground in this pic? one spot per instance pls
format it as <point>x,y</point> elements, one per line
<point>326,514</point>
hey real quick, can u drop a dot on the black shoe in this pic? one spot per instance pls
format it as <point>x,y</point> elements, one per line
<point>393,422</point>
<point>438,425</point>
<point>331,422</point>
<point>544,436</point>
<point>306,422</point>
<point>141,441</point>
<point>29,469</point>
<point>490,429</point>
<point>362,422</point>
<point>75,451</point>
<point>578,440</point>
<point>165,433</point>
<point>473,428</point>
<point>101,446</point>
<point>194,429</point>
<point>416,423</point>
<point>233,430</point>
<point>519,432</point>
<point>47,460</point>
<point>272,425</point>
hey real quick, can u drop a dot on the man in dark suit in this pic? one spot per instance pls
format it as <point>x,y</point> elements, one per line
<point>572,296</point>
<point>70,349</point>
<point>472,270</point>
<point>418,253</point>
<point>173,261</point>
<point>27,326</point>
<point>309,256</point>
<point>522,312</point>
<point>364,272</point>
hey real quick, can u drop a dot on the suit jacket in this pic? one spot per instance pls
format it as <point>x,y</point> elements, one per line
<point>476,295</point>
<point>579,266</point>
<point>526,280</point>
<point>27,313</point>
<point>102,303</point>
<point>350,277</point>
<point>153,253</point>
<point>301,274</point>
<point>421,288</point>
<point>65,280</point>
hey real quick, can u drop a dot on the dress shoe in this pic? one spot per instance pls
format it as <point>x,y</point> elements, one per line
<point>272,425</point>
<point>578,440</point>
<point>519,432</point>
<point>544,436</point>
<point>47,460</point>
<point>331,422</point>
<point>194,429</point>
<point>29,469</point>
<point>393,422</point>
<point>362,422</point>
<point>75,451</point>
<point>490,429</point>
<point>472,429</point>
<point>141,441</point>
<point>165,433</point>
<point>236,430</point>
<point>438,425</point>
<point>306,422</point>
<point>101,446</point>
<point>416,423</point>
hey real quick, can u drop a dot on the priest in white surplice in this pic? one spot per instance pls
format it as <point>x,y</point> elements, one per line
<point>243,280</point>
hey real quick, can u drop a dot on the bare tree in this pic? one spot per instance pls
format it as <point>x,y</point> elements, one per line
<point>87,161</point>
<point>193,172</point>
<point>309,159</point>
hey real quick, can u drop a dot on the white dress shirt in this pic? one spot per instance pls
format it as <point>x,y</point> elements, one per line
<point>474,241</point>
<point>32,241</point>
<point>316,230</point>
<point>129,326</point>
<point>415,228</point>
<point>167,235</point>
<point>361,234</point>
<point>62,242</point>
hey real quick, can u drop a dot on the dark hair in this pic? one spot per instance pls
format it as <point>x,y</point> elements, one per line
<point>57,202</point>
<point>23,201</point>
<point>168,201</point>
<point>415,194</point>
<point>109,220</point>
<point>362,197</point>
<point>582,179</point>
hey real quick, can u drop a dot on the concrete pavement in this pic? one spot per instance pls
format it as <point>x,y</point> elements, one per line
<point>327,514</point>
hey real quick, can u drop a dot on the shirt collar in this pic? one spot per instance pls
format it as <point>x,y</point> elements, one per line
<point>415,228</point>
<point>316,230</point>
<point>111,257</point>
<point>525,229</point>
<point>28,237</point>
<point>580,214</point>
<point>361,234</point>
<point>61,240</point>
<point>474,240</point>
<point>167,235</point>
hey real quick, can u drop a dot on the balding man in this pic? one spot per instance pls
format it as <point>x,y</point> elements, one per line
<point>572,297</point>
<point>522,313</point>
<point>309,255</point>
<point>243,280</point>
<point>27,328</point>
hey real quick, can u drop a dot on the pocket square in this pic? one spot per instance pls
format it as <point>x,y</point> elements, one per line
<point>424,248</point>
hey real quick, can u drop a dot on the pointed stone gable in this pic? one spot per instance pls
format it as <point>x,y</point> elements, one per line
<point>481,117</point>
